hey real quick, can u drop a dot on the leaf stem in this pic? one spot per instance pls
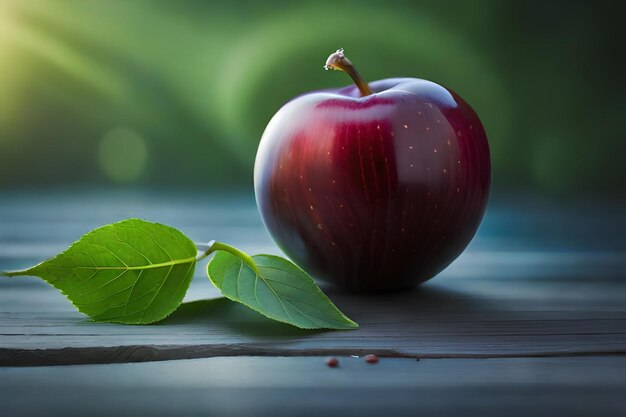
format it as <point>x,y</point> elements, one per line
<point>213,246</point>
<point>205,248</point>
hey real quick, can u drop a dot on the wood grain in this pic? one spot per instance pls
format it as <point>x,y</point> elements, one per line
<point>538,280</point>
<point>279,386</point>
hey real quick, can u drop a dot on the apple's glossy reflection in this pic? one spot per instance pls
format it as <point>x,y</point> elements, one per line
<point>374,193</point>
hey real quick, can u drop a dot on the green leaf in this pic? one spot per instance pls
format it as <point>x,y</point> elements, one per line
<point>132,272</point>
<point>277,289</point>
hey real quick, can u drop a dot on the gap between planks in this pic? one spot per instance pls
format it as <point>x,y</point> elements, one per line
<point>153,353</point>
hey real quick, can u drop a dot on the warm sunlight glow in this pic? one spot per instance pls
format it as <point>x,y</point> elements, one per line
<point>8,86</point>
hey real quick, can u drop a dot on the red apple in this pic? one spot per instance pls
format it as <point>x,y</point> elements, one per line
<point>373,187</point>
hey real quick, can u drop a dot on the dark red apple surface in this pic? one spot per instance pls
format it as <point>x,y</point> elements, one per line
<point>374,191</point>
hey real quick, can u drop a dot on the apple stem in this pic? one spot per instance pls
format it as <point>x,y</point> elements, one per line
<point>338,61</point>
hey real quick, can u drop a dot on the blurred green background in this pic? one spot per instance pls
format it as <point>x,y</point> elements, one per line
<point>177,93</point>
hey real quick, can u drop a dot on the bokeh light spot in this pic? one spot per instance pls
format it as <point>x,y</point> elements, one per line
<point>122,155</point>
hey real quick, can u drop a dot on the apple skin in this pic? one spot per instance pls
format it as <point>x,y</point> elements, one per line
<point>374,193</point>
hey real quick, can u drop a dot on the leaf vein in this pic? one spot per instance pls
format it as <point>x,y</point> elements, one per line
<point>103,285</point>
<point>153,239</point>
<point>275,295</point>
<point>80,282</point>
<point>110,251</point>
<point>105,298</point>
<point>238,280</point>
<point>131,290</point>
<point>310,318</point>
<point>157,292</point>
<point>133,248</point>
<point>191,265</point>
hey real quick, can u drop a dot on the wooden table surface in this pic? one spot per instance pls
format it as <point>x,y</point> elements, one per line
<point>531,319</point>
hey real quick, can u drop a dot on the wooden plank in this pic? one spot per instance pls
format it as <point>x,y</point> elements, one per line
<point>280,386</point>
<point>527,286</point>
<point>446,318</point>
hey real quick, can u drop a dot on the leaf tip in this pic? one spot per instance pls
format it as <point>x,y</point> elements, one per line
<point>15,273</point>
<point>350,324</point>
